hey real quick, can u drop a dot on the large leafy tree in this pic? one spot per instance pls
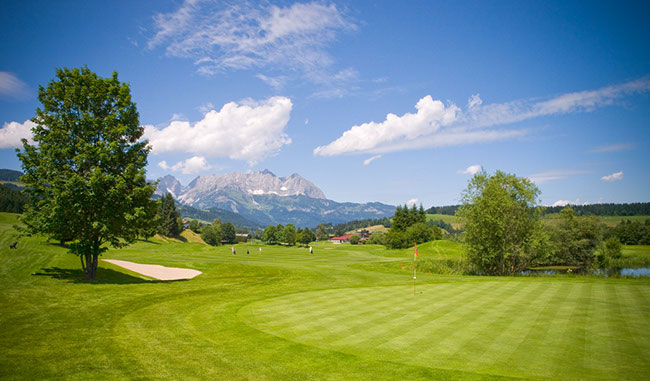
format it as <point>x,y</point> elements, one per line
<point>503,231</point>
<point>85,174</point>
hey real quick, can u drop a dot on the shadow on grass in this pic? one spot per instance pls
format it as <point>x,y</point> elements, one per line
<point>104,276</point>
<point>147,241</point>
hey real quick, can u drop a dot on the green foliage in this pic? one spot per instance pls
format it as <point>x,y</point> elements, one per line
<point>279,233</point>
<point>360,224</point>
<point>85,174</point>
<point>169,218</point>
<point>575,239</point>
<point>377,238</point>
<point>632,209</point>
<point>228,232</point>
<point>449,210</point>
<point>503,232</point>
<point>405,217</point>
<point>211,233</point>
<point>269,236</point>
<point>409,227</point>
<point>195,226</point>
<point>354,239</point>
<point>289,235</point>
<point>612,248</point>
<point>11,200</point>
<point>322,233</point>
<point>305,236</point>
<point>632,232</point>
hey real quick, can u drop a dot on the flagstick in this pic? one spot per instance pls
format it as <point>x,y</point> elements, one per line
<point>415,258</point>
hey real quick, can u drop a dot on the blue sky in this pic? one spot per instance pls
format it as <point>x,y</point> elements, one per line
<point>371,100</point>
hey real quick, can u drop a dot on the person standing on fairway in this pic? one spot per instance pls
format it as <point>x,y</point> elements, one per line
<point>233,250</point>
<point>260,250</point>
<point>311,250</point>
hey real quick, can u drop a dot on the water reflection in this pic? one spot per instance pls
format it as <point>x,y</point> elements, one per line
<point>609,272</point>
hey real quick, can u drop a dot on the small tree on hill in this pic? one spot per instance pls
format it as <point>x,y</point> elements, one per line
<point>354,239</point>
<point>85,174</point>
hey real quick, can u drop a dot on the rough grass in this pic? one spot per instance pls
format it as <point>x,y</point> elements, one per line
<point>286,314</point>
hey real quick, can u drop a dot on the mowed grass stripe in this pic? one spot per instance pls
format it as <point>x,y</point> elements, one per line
<point>514,315</point>
<point>531,347</point>
<point>522,327</point>
<point>304,311</point>
<point>383,325</point>
<point>418,337</point>
<point>452,344</point>
<point>635,348</point>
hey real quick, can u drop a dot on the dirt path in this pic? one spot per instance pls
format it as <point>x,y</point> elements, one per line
<point>156,271</point>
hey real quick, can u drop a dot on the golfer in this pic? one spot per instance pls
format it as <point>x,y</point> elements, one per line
<point>311,250</point>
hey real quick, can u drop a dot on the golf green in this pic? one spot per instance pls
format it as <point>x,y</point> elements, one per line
<point>529,328</point>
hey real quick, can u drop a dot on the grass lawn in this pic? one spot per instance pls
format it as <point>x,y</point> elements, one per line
<point>286,314</point>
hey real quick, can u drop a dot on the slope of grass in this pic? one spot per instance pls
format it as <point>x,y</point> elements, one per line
<point>451,220</point>
<point>286,314</point>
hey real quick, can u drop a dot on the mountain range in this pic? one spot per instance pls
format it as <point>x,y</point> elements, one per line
<point>263,198</point>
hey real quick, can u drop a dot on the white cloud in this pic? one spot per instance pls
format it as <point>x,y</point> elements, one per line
<point>176,117</point>
<point>371,159</point>
<point>471,170</point>
<point>613,177</point>
<point>242,35</point>
<point>377,137</point>
<point>562,203</point>
<point>189,166</point>
<point>205,108</point>
<point>435,125</point>
<point>248,131</point>
<point>554,174</point>
<point>613,148</point>
<point>11,134</point>
<point>275,82</point>
<point>11,86</point>
<point>306,122</point>
<point>413,201</point>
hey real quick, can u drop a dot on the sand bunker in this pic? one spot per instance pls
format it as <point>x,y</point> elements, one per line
<point>156,271</point>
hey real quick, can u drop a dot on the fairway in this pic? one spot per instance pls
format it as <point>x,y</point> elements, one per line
<point>346,312</point>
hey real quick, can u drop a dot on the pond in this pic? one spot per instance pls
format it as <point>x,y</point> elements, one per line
<point>609,272</point>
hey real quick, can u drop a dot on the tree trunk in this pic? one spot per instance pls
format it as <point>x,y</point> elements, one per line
<point>95,262</point>
<point>88,268</point>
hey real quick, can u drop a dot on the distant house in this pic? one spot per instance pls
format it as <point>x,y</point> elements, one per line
<point>242,237</point>
<point>186,223</point>
<point>341,239</point>
<point>363,234</point>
